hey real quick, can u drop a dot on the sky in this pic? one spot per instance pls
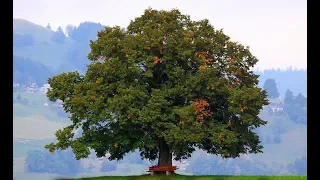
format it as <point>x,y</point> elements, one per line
<point>275,30</point>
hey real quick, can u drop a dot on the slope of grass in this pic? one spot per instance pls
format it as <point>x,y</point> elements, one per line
<point>293,145</point>
<point>40,33</point>
<point>22,111</point>
<point>293,142</point>
<point>50,54</point>
<point>179,177</point>
<point>34,176</point>
<point>35,127</point>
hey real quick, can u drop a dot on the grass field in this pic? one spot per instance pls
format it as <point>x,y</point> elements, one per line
<point>35,127</point>
<point>23,111</point>
<point>293,142</point>
<point>179,177</point>
<point>35,122</point>
<point>35,176</point>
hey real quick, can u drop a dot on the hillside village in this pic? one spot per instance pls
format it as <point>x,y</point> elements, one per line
<point>33,88</point>
<point>276,105</point>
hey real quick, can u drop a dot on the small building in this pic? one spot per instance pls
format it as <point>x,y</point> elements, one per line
<point>276,107</point>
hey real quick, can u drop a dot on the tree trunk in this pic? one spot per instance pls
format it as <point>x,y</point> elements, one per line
<point>165,156</point>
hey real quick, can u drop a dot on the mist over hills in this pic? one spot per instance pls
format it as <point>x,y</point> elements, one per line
<point>37,43</point>
<point>39,53</point>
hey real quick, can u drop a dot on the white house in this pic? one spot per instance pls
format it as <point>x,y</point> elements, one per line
<point>44,88</point>
<point>276,107</point>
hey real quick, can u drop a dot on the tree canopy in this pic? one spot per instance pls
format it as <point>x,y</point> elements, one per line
<point>165,85</point>
<point>296,107</point>
<point>270,86</point>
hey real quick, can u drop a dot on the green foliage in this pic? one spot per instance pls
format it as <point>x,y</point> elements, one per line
<point>165,79</point>
<point>270,86</point>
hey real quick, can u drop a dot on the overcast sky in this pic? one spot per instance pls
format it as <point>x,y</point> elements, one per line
<point>275,30</point>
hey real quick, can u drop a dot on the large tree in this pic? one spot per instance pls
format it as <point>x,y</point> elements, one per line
<point>165,85</point>
<point>270,86</point>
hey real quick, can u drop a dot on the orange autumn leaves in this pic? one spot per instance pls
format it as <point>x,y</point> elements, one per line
<point>204,57</point>
<point>201,107</point>
<point>156,60</point>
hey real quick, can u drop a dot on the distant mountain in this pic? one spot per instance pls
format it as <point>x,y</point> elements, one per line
<point>40,44</point>
<point>40,33</point>
<point>43,48</point>
<point>26,70</point>
<point>37,43</point>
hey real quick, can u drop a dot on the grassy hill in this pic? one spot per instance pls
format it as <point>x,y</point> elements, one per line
<point>44,49</point>
<point>34,125</point>
<point>50,54</point>
<point>40,33</point>
<point>35,176</point>
<point>35,108</point>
